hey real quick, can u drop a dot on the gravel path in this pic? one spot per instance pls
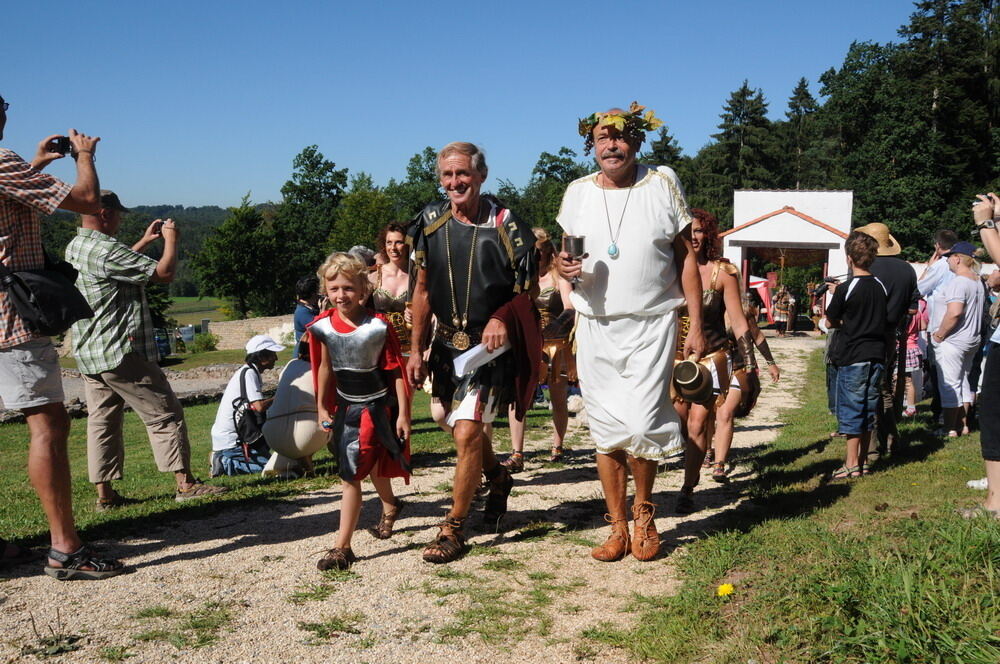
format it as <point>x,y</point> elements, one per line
<point>248,577</point>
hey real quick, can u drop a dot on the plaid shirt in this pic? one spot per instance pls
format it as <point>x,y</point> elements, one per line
<point>25,196</point>
<point>113,281</point>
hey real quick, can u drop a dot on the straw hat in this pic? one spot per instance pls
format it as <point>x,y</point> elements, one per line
<point>887,245</point>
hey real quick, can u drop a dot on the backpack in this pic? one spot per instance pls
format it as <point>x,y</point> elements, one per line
<point>247,421</point>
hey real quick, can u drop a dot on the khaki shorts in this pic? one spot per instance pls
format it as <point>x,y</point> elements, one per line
<point>29,375</point>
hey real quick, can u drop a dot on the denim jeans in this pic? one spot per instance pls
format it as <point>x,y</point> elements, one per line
<point>857,397</point>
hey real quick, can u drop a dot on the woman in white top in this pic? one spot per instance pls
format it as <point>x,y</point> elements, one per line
<point>956,336</point>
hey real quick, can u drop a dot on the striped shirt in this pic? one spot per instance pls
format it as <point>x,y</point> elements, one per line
<point>113,281</point>
<point>26,195</point>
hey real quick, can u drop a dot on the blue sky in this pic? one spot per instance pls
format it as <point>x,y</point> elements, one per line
<point>199,102</point>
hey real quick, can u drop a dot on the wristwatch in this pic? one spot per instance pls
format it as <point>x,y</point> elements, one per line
<point>989,223</point>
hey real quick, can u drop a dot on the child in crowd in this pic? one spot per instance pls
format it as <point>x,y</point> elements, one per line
<point>361,398</point>
<point>858,309</point>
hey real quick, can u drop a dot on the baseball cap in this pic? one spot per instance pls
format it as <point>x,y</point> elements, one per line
<point>263,342</point>
<point>110,201</point>
<point>966,248</point>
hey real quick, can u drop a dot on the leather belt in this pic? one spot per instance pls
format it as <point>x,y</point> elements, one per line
<point>455,338</point>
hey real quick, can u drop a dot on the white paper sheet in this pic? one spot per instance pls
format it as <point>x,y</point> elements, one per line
<point>476,357</point>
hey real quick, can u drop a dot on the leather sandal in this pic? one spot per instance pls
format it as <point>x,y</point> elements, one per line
<point>557,454</point>
<point>384,528</point>
<point>336,558</point>
<point>82,565</point>
<point>645,539</point>
<point>501,484</point>
<point>514,463</point>
<point>719,472</point>
<point>617,545</point>
<point>449,544</point>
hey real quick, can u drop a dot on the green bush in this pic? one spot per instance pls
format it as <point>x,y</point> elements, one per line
<point>204,342</point>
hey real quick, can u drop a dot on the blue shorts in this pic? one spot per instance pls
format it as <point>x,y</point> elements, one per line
<point>857,397</point>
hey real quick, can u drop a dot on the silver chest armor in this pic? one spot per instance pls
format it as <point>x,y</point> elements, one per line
<point>354,357</point>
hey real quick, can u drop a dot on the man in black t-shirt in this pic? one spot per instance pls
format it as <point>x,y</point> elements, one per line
<point>900,283</point>
<point>858,310</point>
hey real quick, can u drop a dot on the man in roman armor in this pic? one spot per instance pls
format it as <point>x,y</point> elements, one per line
<point>474,268</point>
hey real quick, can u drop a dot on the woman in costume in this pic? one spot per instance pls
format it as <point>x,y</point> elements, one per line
<point>739,402</point>
<point>721,295</point>
<point>361,398</point>
<point>559,365</point>
<point>390,281</point>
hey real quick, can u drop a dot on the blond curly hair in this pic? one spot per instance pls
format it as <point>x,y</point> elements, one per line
<point>341,263</point>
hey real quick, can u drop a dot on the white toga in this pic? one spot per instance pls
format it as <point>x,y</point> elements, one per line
<point>626,331</point>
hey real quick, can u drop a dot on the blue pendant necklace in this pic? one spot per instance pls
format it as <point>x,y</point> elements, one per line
<point>613,250</point>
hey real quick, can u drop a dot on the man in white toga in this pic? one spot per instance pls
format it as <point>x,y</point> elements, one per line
<point>639,269</point>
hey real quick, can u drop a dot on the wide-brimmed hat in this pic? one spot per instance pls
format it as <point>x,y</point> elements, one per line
<point>693,381</point>
<point>887,245</point>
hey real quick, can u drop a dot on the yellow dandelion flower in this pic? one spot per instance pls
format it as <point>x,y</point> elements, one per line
<point>724,589</point>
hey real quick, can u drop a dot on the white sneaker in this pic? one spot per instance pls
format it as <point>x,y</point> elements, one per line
<point>980,485</point>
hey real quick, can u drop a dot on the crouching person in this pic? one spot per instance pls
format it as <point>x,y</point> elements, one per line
<point>229,456</point>
<point>361,399</point>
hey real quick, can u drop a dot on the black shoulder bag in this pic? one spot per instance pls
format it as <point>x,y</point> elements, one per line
<point>248,422</point>
<point>46,299</point>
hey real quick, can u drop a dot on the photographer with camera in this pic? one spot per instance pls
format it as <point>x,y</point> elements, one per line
<point>117,355</point>
<point>30,379</point>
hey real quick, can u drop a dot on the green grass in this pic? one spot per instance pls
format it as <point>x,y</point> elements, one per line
<point>22,518</point>
<point>875,571</point>
<point>194,629</point>
<point>191,310</point>
<point>332,627</point>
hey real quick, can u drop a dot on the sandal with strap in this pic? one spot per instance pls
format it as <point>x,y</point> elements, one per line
<point>449,544</point>
<point>82,565</point>
<point>116,500</point>
<point>514,463</point>
<point>709,459</point>
<point>557,454</point>
<point>845,473</point>
<point>501,484</point>
<point>384,528</point>
<point>199,489</point>
<point>719,472</point>
<point>645,539</point>
<point>618,544</point>
<point>336,558</point>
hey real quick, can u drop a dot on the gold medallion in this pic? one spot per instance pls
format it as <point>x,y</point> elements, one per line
<point>460,340</point>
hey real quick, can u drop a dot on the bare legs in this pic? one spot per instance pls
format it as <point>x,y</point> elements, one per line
<point>48,470</point>
<point>613,471</point>
<point>724,417</point>
<point>696,443</point>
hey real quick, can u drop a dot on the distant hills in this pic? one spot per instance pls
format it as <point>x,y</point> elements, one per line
<point>195,224</point>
